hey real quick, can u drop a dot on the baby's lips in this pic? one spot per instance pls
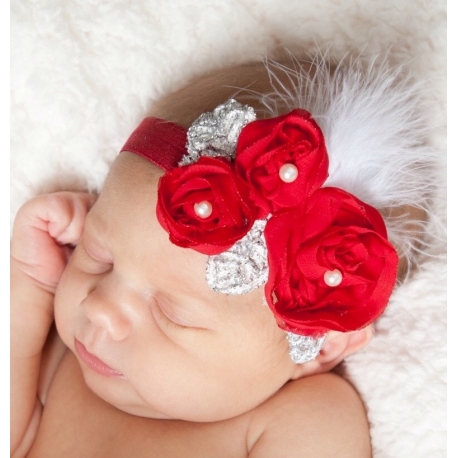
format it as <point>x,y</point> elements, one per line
<point>94,363</point>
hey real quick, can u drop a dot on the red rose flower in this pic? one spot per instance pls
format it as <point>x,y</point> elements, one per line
<point>204,206</point>
<point>284,159</point>
<point>331,266</point>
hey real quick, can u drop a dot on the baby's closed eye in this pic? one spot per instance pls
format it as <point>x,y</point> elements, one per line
<point>164,318</point>
<point>175,316</point>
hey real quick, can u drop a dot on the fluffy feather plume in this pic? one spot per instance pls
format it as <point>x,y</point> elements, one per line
<point>373,120</point>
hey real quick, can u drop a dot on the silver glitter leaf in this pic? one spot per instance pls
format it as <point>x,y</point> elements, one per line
<point>215,134</point>
<point>243,267</point>
<point>304,348</point>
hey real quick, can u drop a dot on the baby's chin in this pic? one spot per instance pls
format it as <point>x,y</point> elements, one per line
<point>120,394</point>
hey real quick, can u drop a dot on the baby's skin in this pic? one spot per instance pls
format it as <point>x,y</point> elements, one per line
<point>147,360</point>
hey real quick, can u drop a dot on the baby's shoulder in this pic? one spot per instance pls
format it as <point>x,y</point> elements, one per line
<point>320,415</point>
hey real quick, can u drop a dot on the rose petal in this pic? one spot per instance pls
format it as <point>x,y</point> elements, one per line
<point>332,230</point>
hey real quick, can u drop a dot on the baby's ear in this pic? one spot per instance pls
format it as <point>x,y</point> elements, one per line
<point>337,346</point>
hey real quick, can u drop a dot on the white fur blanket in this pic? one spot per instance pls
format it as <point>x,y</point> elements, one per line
<point>84,72</point>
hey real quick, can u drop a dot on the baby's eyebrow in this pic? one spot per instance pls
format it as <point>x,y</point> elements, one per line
<point>181,296</point>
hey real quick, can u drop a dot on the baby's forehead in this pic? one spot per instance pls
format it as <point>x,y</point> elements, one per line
<point>131,169</point>
<point>124,221</point>
<point>130,189</point>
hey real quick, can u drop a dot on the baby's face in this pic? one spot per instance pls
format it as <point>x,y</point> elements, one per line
<point>150,335</point>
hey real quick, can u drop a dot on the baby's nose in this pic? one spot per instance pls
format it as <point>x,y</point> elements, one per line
<point>107,312</point>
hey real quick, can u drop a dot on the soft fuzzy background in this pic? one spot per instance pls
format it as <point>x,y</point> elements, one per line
<point>84,72</point>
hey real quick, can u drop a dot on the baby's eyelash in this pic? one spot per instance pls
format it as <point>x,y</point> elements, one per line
<point>174,325</point>
<point>167,321</point>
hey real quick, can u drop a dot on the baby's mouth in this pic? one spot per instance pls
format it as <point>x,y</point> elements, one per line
<point>95,363</point>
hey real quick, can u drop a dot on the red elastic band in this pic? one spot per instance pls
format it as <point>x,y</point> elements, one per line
<point>160,141</point>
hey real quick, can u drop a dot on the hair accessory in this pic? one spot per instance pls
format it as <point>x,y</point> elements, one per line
<point>250,195</point>
<point>215,134</point>
<point>243,267</point>
<point>304,348</point>
<point>159,141</point>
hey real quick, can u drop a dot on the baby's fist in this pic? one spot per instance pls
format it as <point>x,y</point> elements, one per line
<point>45,231</point>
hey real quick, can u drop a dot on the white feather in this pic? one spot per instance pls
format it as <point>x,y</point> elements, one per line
<point>374,123</point>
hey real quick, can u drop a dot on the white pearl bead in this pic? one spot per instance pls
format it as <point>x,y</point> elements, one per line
<point>288,173</point>
<point>333,277</point>
<point>203,209</point>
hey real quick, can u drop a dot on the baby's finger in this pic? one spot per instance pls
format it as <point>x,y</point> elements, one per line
<point>67,227</point>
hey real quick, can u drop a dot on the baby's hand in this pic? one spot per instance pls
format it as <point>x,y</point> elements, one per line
<point>46,229</point>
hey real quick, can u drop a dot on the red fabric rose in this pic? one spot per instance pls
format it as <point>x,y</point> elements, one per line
<point>266,145</point>
<point>334,230</point>
<point>209,180</point>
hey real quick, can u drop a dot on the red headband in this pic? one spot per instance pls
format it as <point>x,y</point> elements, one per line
<point>330,264</point>
<point>161,142</point>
